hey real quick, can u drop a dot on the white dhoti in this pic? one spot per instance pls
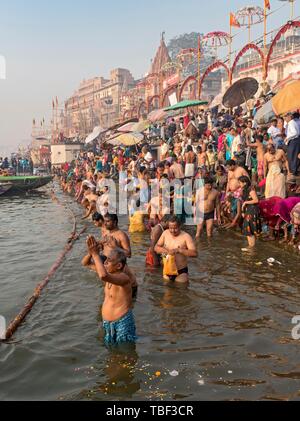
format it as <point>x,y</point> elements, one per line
<point>189,170</point>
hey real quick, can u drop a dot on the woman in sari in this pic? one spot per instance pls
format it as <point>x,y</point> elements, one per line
<point>250,212</point>
<point>229,142</point>
<point>267,211</point>
<point>283,211</point>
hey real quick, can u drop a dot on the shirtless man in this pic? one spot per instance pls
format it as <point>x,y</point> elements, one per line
<point>190,162</point>
<point>202,158</point>
<point>118,318</point>
<point>113,237</point>
<point>158,207</point>
<point>234,173</point>
<point>273,157</point>
<point>98,221</point>
<point>177,170</point>
<point>89,201</point>
<point>207,202</point>
<point>176,243</point>
<point>259,146</point>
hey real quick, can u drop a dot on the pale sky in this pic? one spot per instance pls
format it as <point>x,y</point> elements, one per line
<point>49,47</point>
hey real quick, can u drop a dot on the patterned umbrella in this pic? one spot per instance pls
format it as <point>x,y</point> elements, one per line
<point>157,115</point>
<point>141,126</point>
<point>129,139</point>
<point>127,128</point>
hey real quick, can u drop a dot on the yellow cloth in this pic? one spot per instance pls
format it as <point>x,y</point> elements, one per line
<point>137,223</point>
<point>170,268</point>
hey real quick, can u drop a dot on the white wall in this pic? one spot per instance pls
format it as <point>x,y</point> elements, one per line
<point>62,154</point>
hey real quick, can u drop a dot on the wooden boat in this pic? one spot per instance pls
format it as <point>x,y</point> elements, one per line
<point>5,187</point>
<point>24,184</point>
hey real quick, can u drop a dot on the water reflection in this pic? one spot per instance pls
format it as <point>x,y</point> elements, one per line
<point>120,372</point>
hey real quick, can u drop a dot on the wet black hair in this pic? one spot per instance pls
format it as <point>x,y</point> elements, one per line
<point>259,137</point>
<point>112,217</point>
<point>230,163</point>
<point>175,220</point>
<point>208,180</point>
<point>97,217</point>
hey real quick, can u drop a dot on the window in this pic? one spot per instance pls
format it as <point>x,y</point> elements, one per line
<point>280,73</point>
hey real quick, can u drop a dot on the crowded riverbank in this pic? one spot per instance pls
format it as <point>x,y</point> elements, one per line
<point>228,336</point>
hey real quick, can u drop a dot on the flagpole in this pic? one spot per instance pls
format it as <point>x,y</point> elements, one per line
<point>52,122</point>
<point>199,67</point>
<point>230,51</point>
<point>265,27</point>
<point>292,9</point>
<point>249,27</point>
<point>57,131</point>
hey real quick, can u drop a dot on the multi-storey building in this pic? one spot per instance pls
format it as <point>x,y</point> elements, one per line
<point>285,60</point>
<point>96,102</point>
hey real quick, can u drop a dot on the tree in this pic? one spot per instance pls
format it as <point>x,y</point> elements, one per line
<point>186,41</point>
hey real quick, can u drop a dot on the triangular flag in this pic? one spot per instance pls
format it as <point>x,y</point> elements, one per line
<point>234,21</point>
<point>268,4</point>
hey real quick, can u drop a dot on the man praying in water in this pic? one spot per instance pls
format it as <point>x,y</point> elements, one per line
<point>118,318</point>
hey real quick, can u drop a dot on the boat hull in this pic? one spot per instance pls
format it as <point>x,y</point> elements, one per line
<point>5,187</point>
<point>24,184</point>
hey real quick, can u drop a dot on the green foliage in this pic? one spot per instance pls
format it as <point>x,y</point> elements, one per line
<point>182,42</point>
<point>185,41</point>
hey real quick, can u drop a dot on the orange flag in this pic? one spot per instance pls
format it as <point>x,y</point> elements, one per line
<point>234,21</point>
<point>267,4</point>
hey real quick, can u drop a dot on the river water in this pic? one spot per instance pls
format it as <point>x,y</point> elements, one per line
<point>226,337</point>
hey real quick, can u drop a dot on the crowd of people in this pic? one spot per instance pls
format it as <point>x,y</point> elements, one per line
<point>210,171</point>
<point>16,165</point>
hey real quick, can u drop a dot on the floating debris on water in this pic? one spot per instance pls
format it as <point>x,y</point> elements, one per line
<point>174,373</point>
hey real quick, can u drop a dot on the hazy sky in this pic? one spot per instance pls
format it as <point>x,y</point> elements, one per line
<point>49,47</point>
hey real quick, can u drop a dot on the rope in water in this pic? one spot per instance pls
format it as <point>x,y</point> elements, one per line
<point>15,324</point>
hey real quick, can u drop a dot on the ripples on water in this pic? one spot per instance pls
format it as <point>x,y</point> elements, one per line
<point>228,336</point>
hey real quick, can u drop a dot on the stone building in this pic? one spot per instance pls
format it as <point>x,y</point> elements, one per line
<point>95,102</point>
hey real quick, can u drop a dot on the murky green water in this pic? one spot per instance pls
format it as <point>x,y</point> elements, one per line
<point>228,336</point>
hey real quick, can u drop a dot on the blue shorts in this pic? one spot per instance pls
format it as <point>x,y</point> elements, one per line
<point>120,332</point>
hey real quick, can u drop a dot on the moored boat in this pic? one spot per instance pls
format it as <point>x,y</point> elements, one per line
<point>22,184</point>
<point>5,187</point>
